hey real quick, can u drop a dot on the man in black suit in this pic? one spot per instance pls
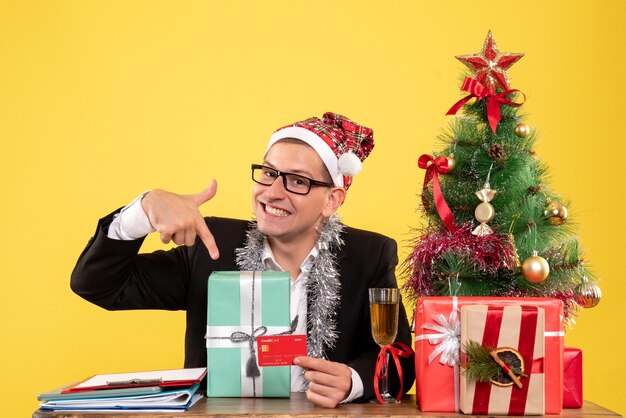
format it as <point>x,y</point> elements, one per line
<point>307,169</point>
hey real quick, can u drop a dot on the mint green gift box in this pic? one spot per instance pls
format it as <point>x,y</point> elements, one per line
<point>243,305</point>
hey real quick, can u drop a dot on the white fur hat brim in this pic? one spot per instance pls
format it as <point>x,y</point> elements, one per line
<point>318,144</point>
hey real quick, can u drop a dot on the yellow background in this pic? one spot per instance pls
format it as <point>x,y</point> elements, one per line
<point>102,100</point>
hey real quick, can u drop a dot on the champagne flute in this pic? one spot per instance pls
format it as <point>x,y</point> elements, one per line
<point>384,314</point>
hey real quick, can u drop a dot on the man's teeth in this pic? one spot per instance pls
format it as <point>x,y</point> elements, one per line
<point>276,211</point>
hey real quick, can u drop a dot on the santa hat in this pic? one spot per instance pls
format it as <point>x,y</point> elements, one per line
<point>341,143</point>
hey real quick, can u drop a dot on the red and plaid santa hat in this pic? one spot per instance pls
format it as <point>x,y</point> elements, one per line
<point>341,143</point>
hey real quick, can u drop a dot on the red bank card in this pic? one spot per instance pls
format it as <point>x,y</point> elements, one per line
<point>280,350</point>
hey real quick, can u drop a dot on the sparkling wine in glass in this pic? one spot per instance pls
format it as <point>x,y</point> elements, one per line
<point>384,314</point>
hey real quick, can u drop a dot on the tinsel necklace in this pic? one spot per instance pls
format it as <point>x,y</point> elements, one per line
<point>322,285</point>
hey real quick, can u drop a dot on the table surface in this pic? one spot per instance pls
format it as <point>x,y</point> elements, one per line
<point>298,405</point>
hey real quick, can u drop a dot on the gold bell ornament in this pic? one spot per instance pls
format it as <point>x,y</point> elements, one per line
<point>587,294</point>
<point>484,212</point>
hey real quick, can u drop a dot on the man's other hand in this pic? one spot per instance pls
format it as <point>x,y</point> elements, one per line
<point>329,382</point>
<point>177,217</point>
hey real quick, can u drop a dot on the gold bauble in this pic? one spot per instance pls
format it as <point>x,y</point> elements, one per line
<point>556,212</point>
<point>451,162</point>
<point>484,212</point>
<point>535,269</point>
<point>522,130</point>
<point>587,294</point>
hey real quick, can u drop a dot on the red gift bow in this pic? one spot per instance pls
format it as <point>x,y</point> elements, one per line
<point>479,91</point>
<point>433,167</point>
<point>396,350</point>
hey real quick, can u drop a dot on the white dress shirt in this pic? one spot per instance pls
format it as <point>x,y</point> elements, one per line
<point>133,223</point>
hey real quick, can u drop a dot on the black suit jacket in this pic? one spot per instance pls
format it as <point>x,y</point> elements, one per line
<point>111,274</point>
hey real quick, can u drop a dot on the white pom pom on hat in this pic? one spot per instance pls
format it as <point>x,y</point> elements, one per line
<point>349,164</point>
<point>341,143</point>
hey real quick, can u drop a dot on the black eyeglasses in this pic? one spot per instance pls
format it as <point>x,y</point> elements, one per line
<point>293,183</point>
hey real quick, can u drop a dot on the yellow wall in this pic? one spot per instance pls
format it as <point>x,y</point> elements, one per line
<point>102,100</point>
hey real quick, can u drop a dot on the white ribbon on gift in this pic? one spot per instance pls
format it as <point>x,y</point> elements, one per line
<point>447,339</point>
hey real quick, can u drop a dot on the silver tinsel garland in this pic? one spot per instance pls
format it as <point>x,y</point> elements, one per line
<point>323,285</point>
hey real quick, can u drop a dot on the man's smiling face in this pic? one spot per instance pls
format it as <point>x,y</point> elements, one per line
<point>285,216</point>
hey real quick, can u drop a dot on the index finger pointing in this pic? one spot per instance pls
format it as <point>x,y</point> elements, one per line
<point>207,238</point>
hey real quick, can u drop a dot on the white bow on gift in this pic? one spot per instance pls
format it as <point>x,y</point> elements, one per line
<point>447,339</point>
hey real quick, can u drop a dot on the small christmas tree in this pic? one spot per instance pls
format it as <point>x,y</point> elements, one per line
<point>494,227</point>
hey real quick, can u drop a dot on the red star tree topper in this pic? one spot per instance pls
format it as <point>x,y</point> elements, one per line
<point>490,65</point>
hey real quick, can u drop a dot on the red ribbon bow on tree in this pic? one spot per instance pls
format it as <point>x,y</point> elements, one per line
<point>396,350</point>
<point>433,167</point>
<point>494,100</point>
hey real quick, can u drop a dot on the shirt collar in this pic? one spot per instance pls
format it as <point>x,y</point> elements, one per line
<point>270,262</point>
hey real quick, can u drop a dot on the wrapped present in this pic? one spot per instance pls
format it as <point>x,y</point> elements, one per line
<point>437,348</point>
<point>503,349</point>
<point>241,307</point>
<point>572,378</point>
